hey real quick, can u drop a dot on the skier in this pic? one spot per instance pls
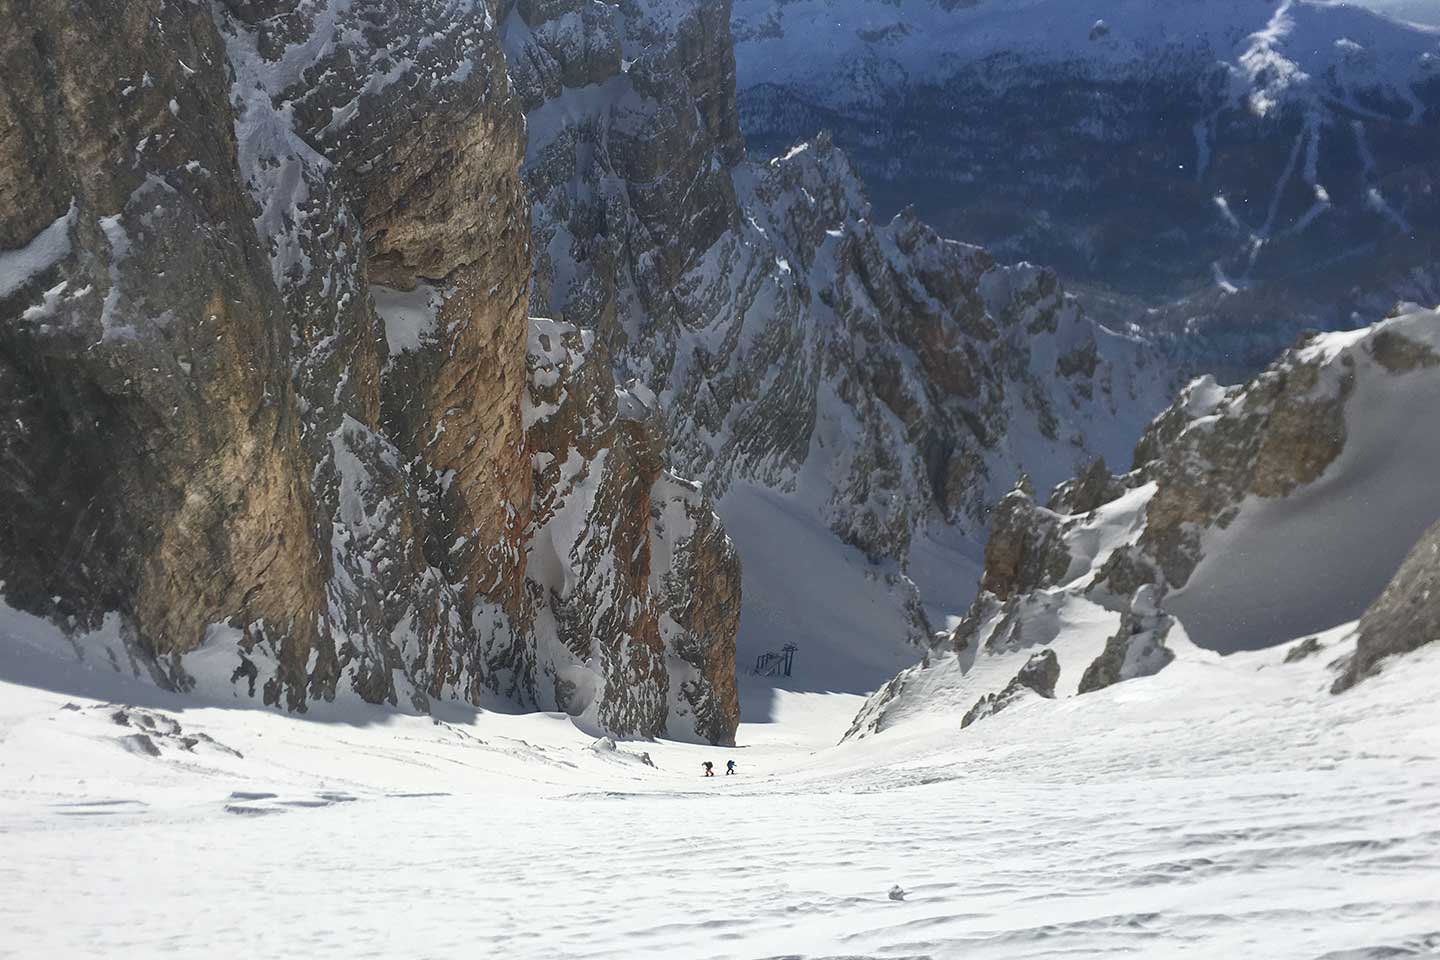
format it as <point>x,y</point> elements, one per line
<point>709,768</point>
<point>729,767</point>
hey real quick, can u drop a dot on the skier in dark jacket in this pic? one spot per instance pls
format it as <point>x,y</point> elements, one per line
<point>709,768</point>
<point>729,767</point>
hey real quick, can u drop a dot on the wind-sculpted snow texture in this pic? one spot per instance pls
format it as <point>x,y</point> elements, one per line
<point>1288,152</point>
<point>264,271</point>
<point>1256,515</point>
<point>877,379</point>
<point>1225,808</point>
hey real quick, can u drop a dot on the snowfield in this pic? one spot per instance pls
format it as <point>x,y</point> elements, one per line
<point>1226,807</point>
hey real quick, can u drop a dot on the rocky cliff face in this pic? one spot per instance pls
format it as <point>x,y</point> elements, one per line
<point>1254,515</point>
<point>264,273</point>
<point>155,460</point>
<point>882,382</point>
<point>621,548</point>
<point>1217,153</point>
<point>1404,618</point>
<point>1138,647</point>
<point>1026,549</point>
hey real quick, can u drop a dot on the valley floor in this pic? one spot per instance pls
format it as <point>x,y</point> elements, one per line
<point>1223,808</point>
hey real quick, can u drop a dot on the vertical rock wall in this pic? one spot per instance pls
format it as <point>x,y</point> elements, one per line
<point>264,273</point>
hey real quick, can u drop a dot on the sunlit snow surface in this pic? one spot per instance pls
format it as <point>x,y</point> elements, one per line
<point>1226,807</point>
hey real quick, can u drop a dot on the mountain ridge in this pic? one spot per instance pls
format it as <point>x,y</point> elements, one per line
<point>1247,523</point>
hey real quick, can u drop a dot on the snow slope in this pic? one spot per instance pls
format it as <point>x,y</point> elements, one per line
<point>800,587</point>
<point>1225,807</point>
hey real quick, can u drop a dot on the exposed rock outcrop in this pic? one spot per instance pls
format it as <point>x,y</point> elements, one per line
<point>1279,433</point>
<point>1091,489</point>
<point>1138,647</point>
<point>153,451</point>
<point>636,587</point>
<point>264,275</point>
<point>1038,676</point>
<point>1333,419</point>
<point>1404,618</point>
<point>1026,549</point>
<point>1218,451</point>
<point>380,144</point>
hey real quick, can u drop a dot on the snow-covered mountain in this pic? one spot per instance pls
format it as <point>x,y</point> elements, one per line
<point>1158,149</point>
<point>282,426</point>
<point>379,476</point>
<point>1271,513</point>
<point>865,387</point>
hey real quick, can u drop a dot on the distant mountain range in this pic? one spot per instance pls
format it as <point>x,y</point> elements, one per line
<point>1169,156</point>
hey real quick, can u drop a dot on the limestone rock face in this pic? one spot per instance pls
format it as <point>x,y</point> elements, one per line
<point>153,442</point>
<point>1026,550</point>
<point>1267,439</point>
<point>1091,489</point>
<point>380,144</point>
<point>636,587</point>
<point>887,380</point>
<point>264,283</point>
<point>1404,618</point>
<point>1217,448</point>
<point>1279,433</point>
<point>1313,415</point>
